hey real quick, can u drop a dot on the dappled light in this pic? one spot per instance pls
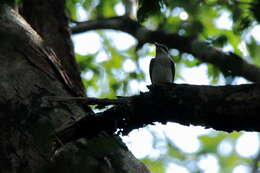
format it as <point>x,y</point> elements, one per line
<point>189,70</point>
<point>130,86</point>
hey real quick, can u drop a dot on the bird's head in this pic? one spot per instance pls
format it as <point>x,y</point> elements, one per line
<point>161,49</point>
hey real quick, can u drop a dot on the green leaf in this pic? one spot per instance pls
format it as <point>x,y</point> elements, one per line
<point>175,153</point>
<point>213,73</point>
<point>71,6</point>
<point>210,143</point>
<point>255,9</point>
<point>104,9</point>
<point>86,4</point>
<point>242,24</point>
<point>149,8</point>
<point>154,166</point>
<point>254,50</point>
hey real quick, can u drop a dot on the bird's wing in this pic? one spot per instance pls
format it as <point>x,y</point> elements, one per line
<point>173,68</point>
<point>150,68</point>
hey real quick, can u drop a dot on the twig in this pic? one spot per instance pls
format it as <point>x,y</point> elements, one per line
<point>91,100</point>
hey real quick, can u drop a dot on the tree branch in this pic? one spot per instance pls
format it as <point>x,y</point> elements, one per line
<point>54,30</point>
<point>225,108</point>
<point>91,101</point>
<point>26,123</point>
<point>228,63</point>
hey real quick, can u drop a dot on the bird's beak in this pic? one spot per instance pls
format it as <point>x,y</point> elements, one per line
<point>157,46</point>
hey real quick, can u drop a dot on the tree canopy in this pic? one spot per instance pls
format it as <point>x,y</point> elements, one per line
<point>219,34</point>
<point>222,36</point>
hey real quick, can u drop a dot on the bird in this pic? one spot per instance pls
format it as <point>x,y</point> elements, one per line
<point>162,67</point>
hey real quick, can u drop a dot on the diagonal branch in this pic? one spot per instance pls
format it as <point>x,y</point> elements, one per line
<point>26,76</point>
<point>229,64</point>
<point>225,108</point>
<point>54,31</point>
<point>90,100</point>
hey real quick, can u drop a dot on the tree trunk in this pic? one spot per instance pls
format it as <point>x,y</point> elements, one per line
<point>31,70</point>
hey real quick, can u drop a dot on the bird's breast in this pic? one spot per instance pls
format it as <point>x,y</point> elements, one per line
<point>162,71</point>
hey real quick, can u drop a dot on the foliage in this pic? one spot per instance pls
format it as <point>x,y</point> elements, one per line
<point>255,10</point>
<point>148,8</point>
<point>225,24</point>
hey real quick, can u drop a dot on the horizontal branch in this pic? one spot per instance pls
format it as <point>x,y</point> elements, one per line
<point>90,100</point>
<point>229,64</point>
<point>225,108</point>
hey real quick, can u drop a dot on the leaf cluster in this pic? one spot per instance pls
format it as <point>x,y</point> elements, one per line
<point>223,24</point>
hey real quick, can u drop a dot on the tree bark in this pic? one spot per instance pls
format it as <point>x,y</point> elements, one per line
<point>226,108</point>
<point>49,20</point>
<point>28,73</point>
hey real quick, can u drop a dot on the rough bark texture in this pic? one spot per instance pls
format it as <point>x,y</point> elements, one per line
<point>227,108</point>
<point>228,63</point>
<point>28,73</point>
<point>49,20</point>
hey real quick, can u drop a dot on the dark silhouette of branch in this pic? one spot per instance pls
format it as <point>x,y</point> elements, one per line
<point>225,108</point>
<point>91,100</point>
<point>55,33</point>
<point>27,74</point>
<point>229,64</point>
